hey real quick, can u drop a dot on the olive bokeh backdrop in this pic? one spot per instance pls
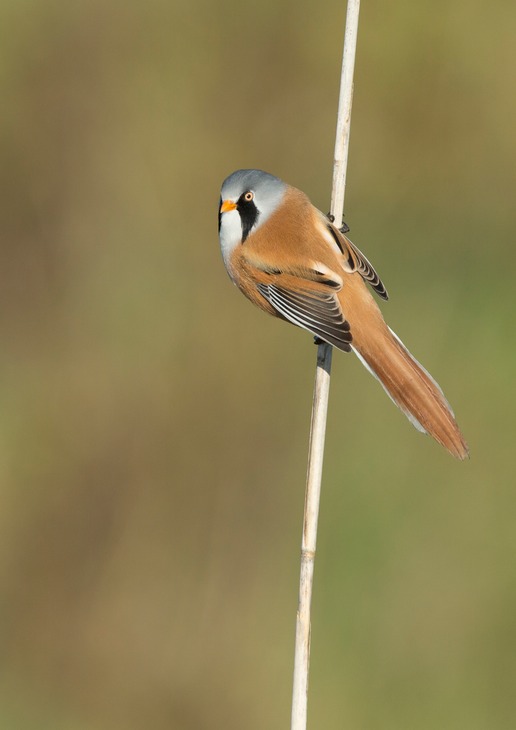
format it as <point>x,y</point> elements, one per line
<point>154,425</point>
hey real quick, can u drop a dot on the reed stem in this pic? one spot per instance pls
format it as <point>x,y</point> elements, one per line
<point>321,393</point>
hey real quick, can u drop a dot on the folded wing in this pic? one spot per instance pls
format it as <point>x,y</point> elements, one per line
<point>356,261</point>
<point>316,311</point>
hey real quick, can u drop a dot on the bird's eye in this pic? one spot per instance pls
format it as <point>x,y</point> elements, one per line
<point>248,196</point>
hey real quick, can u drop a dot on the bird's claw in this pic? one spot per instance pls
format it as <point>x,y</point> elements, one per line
<point>343,229</point>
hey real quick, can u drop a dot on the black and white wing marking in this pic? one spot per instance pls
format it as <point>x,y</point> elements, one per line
<point>356,261</point>
<point>317,312</point>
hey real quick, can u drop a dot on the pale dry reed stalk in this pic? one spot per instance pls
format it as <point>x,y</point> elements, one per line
<point>321,392</point>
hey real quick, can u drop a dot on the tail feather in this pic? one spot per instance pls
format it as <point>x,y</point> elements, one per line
<point>412,389</point>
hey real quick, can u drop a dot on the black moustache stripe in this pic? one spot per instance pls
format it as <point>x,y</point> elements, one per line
<point>248,216</point>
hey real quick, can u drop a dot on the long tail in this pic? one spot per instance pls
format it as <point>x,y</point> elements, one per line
<point>412,388</point>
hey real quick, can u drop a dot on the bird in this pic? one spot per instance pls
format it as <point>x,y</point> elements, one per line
<point>291,260</point>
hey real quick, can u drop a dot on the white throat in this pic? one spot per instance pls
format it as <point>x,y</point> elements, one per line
<point>230,234</point>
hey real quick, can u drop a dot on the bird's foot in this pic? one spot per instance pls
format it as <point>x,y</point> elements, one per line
<point>343,229</point>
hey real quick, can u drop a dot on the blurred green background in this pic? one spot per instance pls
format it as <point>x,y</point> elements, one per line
<point>154,425</point>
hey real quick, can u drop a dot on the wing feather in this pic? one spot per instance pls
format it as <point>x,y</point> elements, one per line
<point>358,262</point>
<point>317,312</point>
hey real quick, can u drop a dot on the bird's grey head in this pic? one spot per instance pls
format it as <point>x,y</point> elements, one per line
<point>247,199</point>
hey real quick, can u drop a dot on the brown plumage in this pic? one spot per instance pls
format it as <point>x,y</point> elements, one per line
<point>408,384</point>
<point>297,266</point>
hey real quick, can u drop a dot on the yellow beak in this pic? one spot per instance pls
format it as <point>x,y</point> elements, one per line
<point>227,205</point>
